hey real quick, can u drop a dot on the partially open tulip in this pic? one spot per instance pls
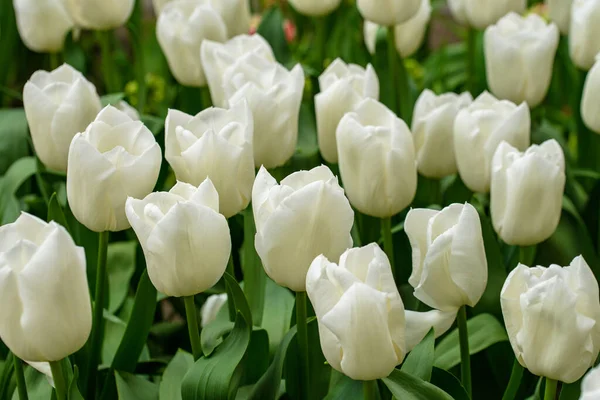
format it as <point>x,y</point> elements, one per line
<point>483,13</point>
<point>479,129</point>
<point>584,33</point>
<point>590,386</point>
<point>377,160</point>
<point>552,316</point>
<point>100,14</point>
<point>518,72</point>
<point>304,216</point>
<point>181,28</point>
<point>216,144</point>
<point>359,311</point>
<point>590,100</point>
<point>114,158</point>
<point>519,183</point>
<point>43,24</point>
<point>448,256</point>
<point>274,95</point>
<point>45,309</point>
<point>433,131</point>
<point>560,13</point>
<point>186,241</point>
<point>315,8</point>
<point>58,104</point>
<point>388,12</point>
<point>343,86</point>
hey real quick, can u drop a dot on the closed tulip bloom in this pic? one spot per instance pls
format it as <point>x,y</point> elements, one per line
<point>114,158</point>
<point>552,316</point>
<point>216,144</point>
<point>58,104</point>
<point>409,34</point>
<point>560,13</point>
<point>584,34</point>
<point>181,28</point>
<point>274,95</point>
<point>483,13</point>
<point>304,216</point>
<point>448,256</point>
<point>211,307</point>
<point>479,129</point>
<point>433,131</point>
<point>590,100</point>
<point>418,325</point>
<point>128,109</point>
<point>43,24</point>
<point>377,160</point>
<point>519,182</point>
<point>458,9</point>
<point>343,86</point>
<point>315,8</point>
<point>519,56</point>
<point>388,12</point>
<point>590,386</point>
<point>359,312</point>
<point>100,14</point>
<point>370,30</point>
<point>45,309</point>
<point>186,241</point>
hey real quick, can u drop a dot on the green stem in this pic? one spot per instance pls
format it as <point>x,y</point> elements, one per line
<point>515,381</point>
<point>54,60</point>
<point>588,143</point>
<point>404,95</point>
<point>393,68</point>
<point>465,357</point>
<point>388,241</point>
<point>60,382</point>
<point>550,392</point>
<point>20,378</point>
<point>98,317</point>
<point>527,255</point>
<point>230,303</point>
<point>321,38</point>
<point>108,72</point>
<point>135,29</point>
<point>471,35</point>
<point>192,323</point>
<point>370,390</point>
<point>206,99</point>
<point>302,336</point>
<point>255,278</point>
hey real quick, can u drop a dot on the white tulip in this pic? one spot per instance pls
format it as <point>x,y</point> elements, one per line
<point>483,13</point>
<point>458,9</point>
<point>590,100</point>
<point>560,12</point>
<point>315,8</point>
<point>100,14</point>
<point>45,309</point>
<point>343,86</point>
<point>370,30</point>
<point>448,256</point>
<point>181,28</point>
<point>128,109</point>
<point>552,316</point>
<point>114,158</point>
<point>519,56</point>
<point>304,216</point>
<point>410,34</point>
<point>274,95</point>
<point>58,104</point>
<point>590,386</point>
<point>418,325</point>
<point>218,57</point>
<point>519,181</point>
<point>43,24</point>
<point>388,12</point>
<point>433,130</point>
<point>377,160</point>
<point>216,144</point>
<point>359,311</point>
<point>584,33</point>
<point>479,129</point>
<point>186,241</point>
<point>211,307</point>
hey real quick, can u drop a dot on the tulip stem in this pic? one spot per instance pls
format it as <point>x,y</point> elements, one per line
<point>20,378</point>
<point>551,386</point>
<point>135,30</point>
<point>108,73</point>
<point>388,241</point>
<point>60,384</point>
<point>54,60</point>
<point>393,67</point>
<point>230,303</point>
<point>302,336</point>
<point>370,390</point>
<point>192,323</point>
<point>206,98</point>
<point>321,38</point>
<point>465,357</point>
<point>471,34</point>
<point>515,381</point>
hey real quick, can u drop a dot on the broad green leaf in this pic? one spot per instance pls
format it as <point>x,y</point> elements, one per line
<point>120,265</point>
<point>419,361</point>
<point>15,176</point>
<point>37,384</point>
<point>112,99</point>
<point>254,274</point>
<point>132,387</point>
<point>449,384</point>
<point>114,329</point>
<point>14,137</point>
<point>55,212</point>
<point>239,299</point>
<point>271,28</point>
<point>74,393</point>
<point>5,376</point>
<point>407,387</point>
<point>277,313</point>
<point>571,391</point>
<point>170,385</point>
<point>256,360</point>
<point>344,388</point>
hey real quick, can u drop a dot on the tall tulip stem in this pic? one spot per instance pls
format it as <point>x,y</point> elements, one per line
<point>465,357</point>
<point>206,98</point>
<point>321,38</point>
<point>388,242</point>
<point>550,392</point>
<point>60,381</point>
<point>370,390</point>
<point>20,378</point>
<point>135,30</point>
<point>107,62</point>
<point>471,36</point>
<point>393,67</point>
<point>54,60</point>
<point>230,303</point>
<point>302,336</point>
<point>192,323</point>
<point>515,381</point>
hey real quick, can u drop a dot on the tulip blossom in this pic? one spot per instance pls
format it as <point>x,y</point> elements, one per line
<point>304,216</point>
<point>388,12</point>
<point>590,100</point>
<point>590,386</point>
<point>479,129</point>
<point>100,14</point>
<point>45,309</point>
<point>552,316</point>
<point>560,13</point>
<point>114,158</point>
<point>315,8</point>
<point>343,86</point>
<point>43,24</point>
<point>377,160</point>
<point>519,181</point>
<point>483,13</point>
<point>519,56</point>
<point>211,307</point>
<point>584,34</point>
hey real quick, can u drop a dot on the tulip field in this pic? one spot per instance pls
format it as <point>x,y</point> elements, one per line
<point>299,199</point>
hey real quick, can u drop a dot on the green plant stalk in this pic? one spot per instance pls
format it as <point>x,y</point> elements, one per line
<point>465,357</point>
<point>135,29</point>
<point>370,390</point>
<point>54,60</point>
<point>550,391</point>
<point>206,98</point>
<point>302,344</point>
<point>60,381</point>
<point>404,96</point>
<point>20,378</point>
<point>527,255</point>
<point>192,323</point>
<point>515,381</point>
<point>393,67</point>
<point>588,143</point>
<point>388,242</point>
<point>255,278</point>
<point>108,72</point>
<point>320,40</point>
<point>471,36</point>
<point>230,303</point>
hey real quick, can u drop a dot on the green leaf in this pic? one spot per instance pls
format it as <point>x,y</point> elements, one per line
<point>120,265</point>
<point>419,361</point>
<point>571,391</point>
<point>407,387</point>
<point>37,384</point>
<point>239,299</point>
<point>277,313</point>
<point>74,393</point>
<point>112,99</point>
<point>344,388</point>
<point>131,387</point>
<point>15,176</point>
<point>484,331</point>
<point>256,360</point>
<point>449,384</point>
<point>254,274</point>
<point>14,137</point>
<point>170,385</point>
<point>55,212</point>
<point>271,28</point>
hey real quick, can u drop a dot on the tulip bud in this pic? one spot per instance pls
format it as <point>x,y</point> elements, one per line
<point>388,12</point>
<point>590,386</point>
<point>274,95</point>
<point>433,130</point>
<point>448,256</point>
<point>58,104</point>
<point>45,309</point>
<point>584,33</point>
<point>100,14</point>
<point>315,8</point>
<point>343,86</point>
<point>516,72</point>
<point>370,30</point>
<point>186,241</point>
<point>359,311</point>
<point>552,316</point>
<point>43,24</point>
<point>519,181</point>
<point>377,160</point>
<point>560,13</point>
<point>217,57</point>
<point>479,129</point>
<point>304,216</point>
<point>483,13</point>
<point>211,307</point>
<point>458,9</point>
<point>181,28</point>
<point>114,158</point>
<point>590,100</point>
<point>216,144</point>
